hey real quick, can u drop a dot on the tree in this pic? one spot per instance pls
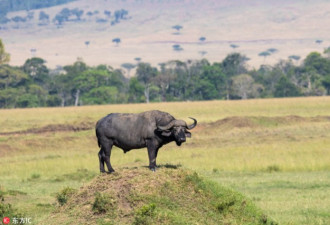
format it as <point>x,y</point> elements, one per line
<point>163,80</point>
<point>327,52</point>
<point>138,59</point>
<point>107,13</point>
<point>178,28</point>
<point>4,56</point>
<point>233,64</point>
<point>78,13</point>
<point>264,54</point>
<point>145,74</point>
<point>72,72</point>
<point>318,41</point>
<point>234,46</point>
<point>177,48</point>
<point>136,91</point>
<point>294,57</point>
<point>210,83</point>
<point>202,53</point>
<point>245,87</point>
<point>326,83</point>
<point>202,39</point>
<point>101,95</point>
<point>272,50</point>
<point>284,88</point>
<point>117,41</point>
<point>37,70</point>
<point>128,67</point>
<point>12,85</point>
<point>43,18</point>
<point>315,61</point>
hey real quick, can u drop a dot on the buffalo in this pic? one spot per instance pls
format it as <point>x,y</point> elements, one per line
<point>151,129</point>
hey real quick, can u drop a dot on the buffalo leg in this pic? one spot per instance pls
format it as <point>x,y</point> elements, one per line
<point>106,146</point>
<point>152,153</point>
<point>101,159</point>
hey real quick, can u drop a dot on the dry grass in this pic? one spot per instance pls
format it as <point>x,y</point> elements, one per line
<point>22,119</point>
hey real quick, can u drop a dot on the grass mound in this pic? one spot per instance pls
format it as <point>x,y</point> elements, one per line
<point>170,196</point>
<point>262,121</point>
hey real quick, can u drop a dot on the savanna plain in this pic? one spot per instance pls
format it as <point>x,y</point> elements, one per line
<point>273,151</point>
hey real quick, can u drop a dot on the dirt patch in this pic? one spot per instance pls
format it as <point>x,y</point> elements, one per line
<point>4,149</point>
<point>230,123</point>
<point>54,128</point>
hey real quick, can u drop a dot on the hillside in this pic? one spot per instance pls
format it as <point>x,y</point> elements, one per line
<point>146,31</point>
<point>169,196</point>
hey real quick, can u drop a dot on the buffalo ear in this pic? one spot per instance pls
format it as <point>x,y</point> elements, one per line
<point>166,133</point>
<point>188,134</point>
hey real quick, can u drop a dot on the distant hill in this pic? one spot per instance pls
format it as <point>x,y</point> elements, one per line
<point>114,32</point>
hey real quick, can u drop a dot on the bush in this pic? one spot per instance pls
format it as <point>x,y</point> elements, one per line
<point>64,195</point>
<point>104,203</point>
<point>144,214</point>
<point>6,209</point>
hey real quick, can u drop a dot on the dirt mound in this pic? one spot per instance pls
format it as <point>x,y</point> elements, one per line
<point>170,196</point>
<point>54,128</point>
<point>262,121</point>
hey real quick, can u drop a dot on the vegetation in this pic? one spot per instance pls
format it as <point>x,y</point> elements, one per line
<point>35,85</point>
<point>170,196</point>
<point>65,15</point>
<point>274,151</point>
<point>17,5</point>
<point>64,195</point>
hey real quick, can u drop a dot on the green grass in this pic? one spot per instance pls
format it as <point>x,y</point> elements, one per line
<point>290,197</point>
<point>275,151</point>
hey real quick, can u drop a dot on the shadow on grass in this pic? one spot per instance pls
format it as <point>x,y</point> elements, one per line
<point>167,165</point>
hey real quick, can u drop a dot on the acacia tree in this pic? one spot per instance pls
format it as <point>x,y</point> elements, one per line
<point>128,67</point>
<point>117,41</point>
<point>178,28</point>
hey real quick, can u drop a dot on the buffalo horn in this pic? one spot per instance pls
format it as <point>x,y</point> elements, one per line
<point>178,123</point>
<point>192,125</point>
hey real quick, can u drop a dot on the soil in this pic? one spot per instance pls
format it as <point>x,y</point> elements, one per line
<point>53,128</point>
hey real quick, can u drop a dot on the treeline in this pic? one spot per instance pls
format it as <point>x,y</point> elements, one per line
<point>35,85</point>
<point>17,5</point>
<point>60,19</point>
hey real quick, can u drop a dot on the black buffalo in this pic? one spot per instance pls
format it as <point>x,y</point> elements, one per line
<point>151,129</point>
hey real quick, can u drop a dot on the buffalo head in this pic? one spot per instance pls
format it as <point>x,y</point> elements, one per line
<point>177,129</point>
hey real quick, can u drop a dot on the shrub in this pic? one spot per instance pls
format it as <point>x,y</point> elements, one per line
<point>6,209</point>
<point>104,203</point>
<point>144,214</point>
<point>64,195</point>
<point>273,168</point>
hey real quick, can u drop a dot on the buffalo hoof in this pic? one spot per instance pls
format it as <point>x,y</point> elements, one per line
<point>111,171</point>
<point>153,169</point>
<point>107,172</point>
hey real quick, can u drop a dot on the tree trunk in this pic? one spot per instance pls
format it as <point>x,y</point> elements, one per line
<point>63,100</point>
<point>146,92</point>
<point>76,102</point>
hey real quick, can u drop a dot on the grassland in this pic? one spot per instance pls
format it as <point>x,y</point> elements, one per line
<point>274,151</point>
